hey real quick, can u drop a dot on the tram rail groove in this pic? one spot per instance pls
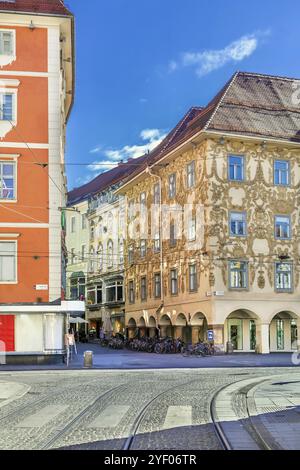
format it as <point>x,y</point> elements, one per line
<point>256,436</point>
<point>136,425</point>
<point>49,443</point>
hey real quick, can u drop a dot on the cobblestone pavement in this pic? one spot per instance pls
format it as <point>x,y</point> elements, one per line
<point>163,409</point>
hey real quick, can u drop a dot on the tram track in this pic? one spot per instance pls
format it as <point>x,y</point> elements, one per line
<point>139,419</point>
<point>246,422</point>
<point>71,424</point>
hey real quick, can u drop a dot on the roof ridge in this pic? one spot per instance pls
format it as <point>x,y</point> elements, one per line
<point>227,88</point>
<point>276,77</point>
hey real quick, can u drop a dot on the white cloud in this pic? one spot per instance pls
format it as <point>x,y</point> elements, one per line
<point>111,157</point>
<point>210,60</point>
<point>173,66</point>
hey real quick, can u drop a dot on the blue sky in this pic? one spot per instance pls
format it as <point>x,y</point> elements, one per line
<point>141,64</point>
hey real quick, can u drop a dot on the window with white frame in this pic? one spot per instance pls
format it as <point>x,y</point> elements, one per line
<point>100,256</point>
<point>156,193</point>
<point>282,227</point>
<point>131,292</point>
<point>143,288</point>
<point>238,224</point>
<point>7,106</point>
<point>193,278</point>
<point>173,234</point>
<point>143,247</point>
<point>121,251</point>
<point>192,229</point>
<point>238,275</point>
<point>8,262</point>
<point>83,253</point>
<point>281,172</point>
<point>172,186</point>
<point>7,180</point>
<point>284,277</point>
<point>83,221</point>
<point>191,175</point>
<point>130,254</point>
<point>73,224</point>
<point>236,168</point>
<point>157,285</point>
<point>131,210</point>
<point>92,260</point>
<point>110,222</point>
<point>110,249</point>
<point>114,291</point>
<point>7,42</point>
<point>174,281</point>
<point>156,244</point>
<point>143,200</point>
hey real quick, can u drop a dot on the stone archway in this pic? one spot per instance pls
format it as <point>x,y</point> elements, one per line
<point>142,327</point>
<point>199,327</point>
<point>240,330</point>
<point>132,328</point>
<point>166,327</point>
<point>181,328</point>
<point>284,332</point>
<point>152,327</point>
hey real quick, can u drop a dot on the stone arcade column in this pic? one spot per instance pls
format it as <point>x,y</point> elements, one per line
<point>298,331</point>
<point>195,334</point>
<point>219,339</point>
<point>178,332</point>
<point>263,338</point>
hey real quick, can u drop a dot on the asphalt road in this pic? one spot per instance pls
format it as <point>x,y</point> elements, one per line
<point>115,410</point>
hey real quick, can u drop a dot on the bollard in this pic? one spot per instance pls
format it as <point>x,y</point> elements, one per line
<point>229,348</point>
<point>88,360</point>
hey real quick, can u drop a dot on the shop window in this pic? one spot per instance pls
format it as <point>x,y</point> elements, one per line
<point>284,277</point>
<point>280,335</point>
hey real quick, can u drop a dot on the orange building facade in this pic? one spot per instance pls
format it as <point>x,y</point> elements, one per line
<point>36,96</point>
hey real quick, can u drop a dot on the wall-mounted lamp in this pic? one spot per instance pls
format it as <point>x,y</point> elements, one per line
<point>222,140</point>
<point>31,26</point>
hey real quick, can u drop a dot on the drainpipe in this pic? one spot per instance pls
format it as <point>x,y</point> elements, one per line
<point>149,171</point>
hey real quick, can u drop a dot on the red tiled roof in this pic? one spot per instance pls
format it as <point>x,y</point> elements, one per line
<point>51,7</point>
<point>249,104</point>
<point>104,180</point>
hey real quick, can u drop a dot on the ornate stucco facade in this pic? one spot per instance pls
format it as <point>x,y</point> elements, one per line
<point>105,289</point>
<point>244,275</point>
<point>77,242</point>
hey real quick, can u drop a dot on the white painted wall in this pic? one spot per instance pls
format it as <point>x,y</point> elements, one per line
<point>29,333</point>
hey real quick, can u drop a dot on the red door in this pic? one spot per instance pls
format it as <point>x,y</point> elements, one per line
<point>7,332</point>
